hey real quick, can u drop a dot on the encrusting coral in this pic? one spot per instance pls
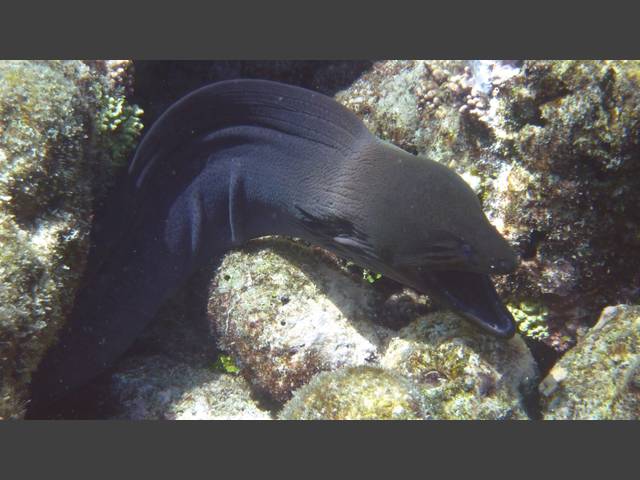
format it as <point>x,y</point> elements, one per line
<point>53,168</point>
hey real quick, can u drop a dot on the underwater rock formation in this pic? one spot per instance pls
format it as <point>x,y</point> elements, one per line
<point>286,312</point>
<point>65,126</point>
<point>157,387</point>
<point>462,373</point>
<point>551,148</point>
<point>438,367</point>
<point>600,377</point>
<point>356,393</point>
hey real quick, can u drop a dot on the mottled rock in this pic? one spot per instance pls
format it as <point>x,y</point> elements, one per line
<point>285,312</point>
<point>356,393</point>
<point>157,387</point>
<point>54,163</point>
<point>600,377</point>
<point>461,372</point>
<point>330,320</point>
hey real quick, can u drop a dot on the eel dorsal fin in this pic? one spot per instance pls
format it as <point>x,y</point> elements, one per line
<point>233,103</point>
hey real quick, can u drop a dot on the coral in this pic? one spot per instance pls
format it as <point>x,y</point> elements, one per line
<point>531,319</point>
<point>600,377</point>
<point>462,373</point>
<point>571,129</point>
<point>356,393</point>
<point>49,179</point>
<point>284,312</point>
<point>120,125</point>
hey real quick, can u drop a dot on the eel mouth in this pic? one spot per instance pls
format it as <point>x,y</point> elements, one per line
<point>474,296</point>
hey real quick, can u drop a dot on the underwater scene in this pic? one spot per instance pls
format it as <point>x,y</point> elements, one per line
<point>320,240</point>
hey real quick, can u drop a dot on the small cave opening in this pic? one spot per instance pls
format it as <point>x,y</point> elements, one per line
<point>529,244</point>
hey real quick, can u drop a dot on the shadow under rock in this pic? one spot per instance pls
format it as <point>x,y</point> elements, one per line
<point>159,83</point>
<point>179,333</point>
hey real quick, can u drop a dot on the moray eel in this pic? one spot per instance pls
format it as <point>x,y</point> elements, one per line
<point>242,159</point>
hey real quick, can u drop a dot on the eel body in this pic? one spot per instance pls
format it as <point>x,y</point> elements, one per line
<point>242,159</point>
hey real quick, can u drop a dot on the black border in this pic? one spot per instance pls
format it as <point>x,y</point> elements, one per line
<point>296,30</point>
<point>328,449</point>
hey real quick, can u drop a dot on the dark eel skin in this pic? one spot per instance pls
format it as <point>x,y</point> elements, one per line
<point>243,159</point>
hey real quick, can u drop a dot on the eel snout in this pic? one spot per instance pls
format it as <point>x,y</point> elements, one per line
<point>474,296</point>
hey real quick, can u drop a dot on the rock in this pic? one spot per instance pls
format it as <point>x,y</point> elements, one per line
<point>286,312</point>
<point>156,387</point>
<point>55,161</point>
<point>356,393</point>
<point>438,367</point>
<point>600,377</point>
<point>172,371</point>
<point>461,372</point>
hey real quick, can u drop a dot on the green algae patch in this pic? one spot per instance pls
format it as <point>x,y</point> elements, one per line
<point>225,363</point>
<point>531,318</point>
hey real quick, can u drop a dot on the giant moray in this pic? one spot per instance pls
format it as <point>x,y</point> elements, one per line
<point>242,159</point>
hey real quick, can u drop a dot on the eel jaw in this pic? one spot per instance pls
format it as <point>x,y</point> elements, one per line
<point>473,296</point>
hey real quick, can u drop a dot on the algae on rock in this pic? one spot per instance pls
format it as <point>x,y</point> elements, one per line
<point>356,393</point>
<point>284,313</point>
<point>51,169</point>
<point>600,377</point>
<point>463,373</point>
<point>156,387</point>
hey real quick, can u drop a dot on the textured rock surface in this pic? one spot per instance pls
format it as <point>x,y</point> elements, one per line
<point>600,377</point>
<point>463,373</point>
<point>173,371</point>
<point>155,387</point>
<point>53,164</point>
<point>356,393</point>
<point>552,149</point>
<point>329,321</point>
<point>285,313</point>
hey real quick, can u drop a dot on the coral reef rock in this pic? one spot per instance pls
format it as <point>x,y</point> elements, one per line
<point>60,143</point>
<point>600,377</point>
<point>356,393</point>
<point>286,312</point>
<point>155,387</point>
<point>462,373</point>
